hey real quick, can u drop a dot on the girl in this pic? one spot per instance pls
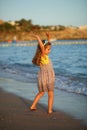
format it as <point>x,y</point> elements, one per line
<point>46,76</point>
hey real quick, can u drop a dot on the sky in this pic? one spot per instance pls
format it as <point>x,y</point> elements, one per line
<point>45,12</point>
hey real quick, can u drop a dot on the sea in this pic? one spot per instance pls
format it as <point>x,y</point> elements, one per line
<point>69,57</point>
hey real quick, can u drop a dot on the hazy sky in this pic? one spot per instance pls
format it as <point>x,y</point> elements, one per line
<point>45,12</point>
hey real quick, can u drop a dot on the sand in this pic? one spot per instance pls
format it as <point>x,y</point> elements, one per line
<point>15,115</point>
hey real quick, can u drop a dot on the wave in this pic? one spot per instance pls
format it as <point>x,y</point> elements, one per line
<point>71,84</point>
<point>69,63</point>
<point>19,71</point>
<point>28,73</point>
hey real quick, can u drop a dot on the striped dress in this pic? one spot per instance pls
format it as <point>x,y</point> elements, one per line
<point>46,77</point>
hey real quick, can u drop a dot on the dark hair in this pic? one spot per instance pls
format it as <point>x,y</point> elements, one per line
<point>37,56</point>
<point>43,41</point>
<point>46,43</point>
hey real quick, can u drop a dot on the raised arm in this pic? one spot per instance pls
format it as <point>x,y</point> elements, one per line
<point>48,36</point>
<point>40,43</point>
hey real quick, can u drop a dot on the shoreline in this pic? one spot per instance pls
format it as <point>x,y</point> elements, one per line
<point>66,34</point>
<point>63,100</point>
<point>15,114</point>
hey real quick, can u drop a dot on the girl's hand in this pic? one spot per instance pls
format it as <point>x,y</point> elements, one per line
<point>48,36</point>
<point>47,33</point>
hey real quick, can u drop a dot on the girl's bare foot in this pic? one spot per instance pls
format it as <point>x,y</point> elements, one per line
<point>33,109</point>
<point>49,112</point>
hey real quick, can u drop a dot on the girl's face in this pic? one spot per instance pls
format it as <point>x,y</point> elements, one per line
<point>47,50</point>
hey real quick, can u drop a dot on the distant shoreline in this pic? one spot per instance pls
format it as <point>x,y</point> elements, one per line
<point>67,34</point>
<point>23,29</point>
<point>33,43</point>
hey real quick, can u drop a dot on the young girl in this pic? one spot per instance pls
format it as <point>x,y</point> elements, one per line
<point>46,76</point>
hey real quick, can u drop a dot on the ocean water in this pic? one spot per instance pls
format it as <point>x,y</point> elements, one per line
<point>69,62</point>
<point>70,65</point>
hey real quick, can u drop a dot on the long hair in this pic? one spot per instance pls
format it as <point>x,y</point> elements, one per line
<point>37,57</point>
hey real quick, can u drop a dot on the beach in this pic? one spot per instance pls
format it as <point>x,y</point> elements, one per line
<point>15,114</point>
<point>18,80</point>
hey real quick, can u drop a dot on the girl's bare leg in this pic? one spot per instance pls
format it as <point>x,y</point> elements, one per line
<point>36,99</point>
<point>50,101</point>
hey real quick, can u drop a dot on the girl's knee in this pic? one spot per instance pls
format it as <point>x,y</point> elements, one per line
<point>42,93</point>
<point>50,93</point>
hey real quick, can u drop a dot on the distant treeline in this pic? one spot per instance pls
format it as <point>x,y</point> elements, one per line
<point>24,25</point>
<point>23,29</point>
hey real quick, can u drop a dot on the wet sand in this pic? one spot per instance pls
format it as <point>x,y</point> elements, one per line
<point>15,115</point>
